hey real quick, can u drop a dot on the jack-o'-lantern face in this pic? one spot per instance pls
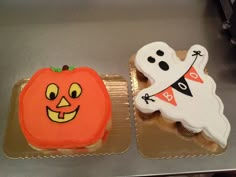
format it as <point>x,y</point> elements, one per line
<point>67,100</point>
<point>64,109</point>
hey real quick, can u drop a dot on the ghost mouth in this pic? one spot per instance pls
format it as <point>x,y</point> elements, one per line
<point>61,117</point>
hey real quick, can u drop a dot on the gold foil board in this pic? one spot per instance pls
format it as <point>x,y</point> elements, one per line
<point>159,138</point>
<point>118,141</point>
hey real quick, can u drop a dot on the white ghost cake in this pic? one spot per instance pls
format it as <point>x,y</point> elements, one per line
<point>181,90</point>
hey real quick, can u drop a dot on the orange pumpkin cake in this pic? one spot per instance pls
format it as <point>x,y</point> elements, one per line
<point>64,108</point>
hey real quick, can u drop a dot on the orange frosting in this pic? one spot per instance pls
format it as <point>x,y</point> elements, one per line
<point>67,109</point>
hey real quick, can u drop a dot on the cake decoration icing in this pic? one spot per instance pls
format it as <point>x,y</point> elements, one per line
<point>181,90</point>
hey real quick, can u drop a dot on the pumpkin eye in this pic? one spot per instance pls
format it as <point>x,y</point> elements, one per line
<point>75,90</point>
<point>52,91</point>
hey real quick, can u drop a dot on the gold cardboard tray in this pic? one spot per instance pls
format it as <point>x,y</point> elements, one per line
<point>118,141</point>
<point>158,138</point>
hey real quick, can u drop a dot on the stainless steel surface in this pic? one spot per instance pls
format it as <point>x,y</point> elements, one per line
<point>104,34</point>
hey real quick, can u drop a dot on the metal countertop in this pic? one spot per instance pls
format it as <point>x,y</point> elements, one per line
<point>103,35</point>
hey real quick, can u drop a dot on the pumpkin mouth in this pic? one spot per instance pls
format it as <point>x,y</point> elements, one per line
<point>55,116</point>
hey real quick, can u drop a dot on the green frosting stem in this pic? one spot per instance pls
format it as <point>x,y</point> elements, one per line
<point>60,69</point>
<point>56,69</point>
<point>71,68</point>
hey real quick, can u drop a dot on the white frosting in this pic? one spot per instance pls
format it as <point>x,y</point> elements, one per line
<point>200,110</point>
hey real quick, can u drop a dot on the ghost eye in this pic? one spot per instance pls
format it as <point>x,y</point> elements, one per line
<point>52,91</point>
<point>160,53</point>
<point>151,60</point>
<point>75,90</point>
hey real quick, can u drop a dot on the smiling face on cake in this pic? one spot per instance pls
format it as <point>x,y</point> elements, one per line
<point>62,102</point>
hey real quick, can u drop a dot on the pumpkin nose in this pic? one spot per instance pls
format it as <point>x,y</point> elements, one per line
<point>63,103</point>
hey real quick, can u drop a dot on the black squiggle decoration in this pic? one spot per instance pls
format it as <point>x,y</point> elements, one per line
<point>147,98</point>
<point>197,53</point>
